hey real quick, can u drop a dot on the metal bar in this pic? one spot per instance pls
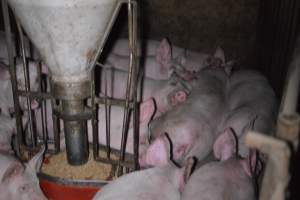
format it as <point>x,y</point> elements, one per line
<point>12,70</point>
<point>107,117</point>
<point>134,93</point>
<point>32,94</point>
<point>27,85</point>
<point>55,123</point>
<point>94,118</point>
<point>112,101</point>
<point>107,31</point>
<point>44,120</point>
<point>128,90</point>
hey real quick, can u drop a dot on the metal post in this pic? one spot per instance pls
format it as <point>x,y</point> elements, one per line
<point>12,70</point>
<point>27,85</point>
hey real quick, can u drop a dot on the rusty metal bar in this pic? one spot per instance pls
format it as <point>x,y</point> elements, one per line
<point>94,99</point>
<point>130,82</point>
<point>105,35</point>
<point>107,117</point>
<point>134,88</point>
<point>94,121</point>
<point>32,94</point>
<point>27,85</point>
<point>12,70</point>
<point>112,101</point>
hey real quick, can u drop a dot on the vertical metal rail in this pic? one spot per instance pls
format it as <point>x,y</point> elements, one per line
<point>27,85</point>
<point>94,121</point>
<point>93,64</point>
<point>107,117</point>
<point>55,122</point>
<point>135,88</point>
<point>12,70</point>
<point>130,82</point>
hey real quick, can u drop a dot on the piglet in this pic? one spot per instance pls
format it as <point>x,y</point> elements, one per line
<point>230,178</point>
<point>193,125</point>
<point>165,183</point>
<point>258,103</point>
<point>166,93</point>
<point>156,67</point>
<point>6,98</point>
<point>7,129</point>
<point>165,54</point>
<point>18,181</point>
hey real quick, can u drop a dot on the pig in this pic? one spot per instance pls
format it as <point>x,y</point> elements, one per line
<point>193,125</point>
<point>18,181</point>
<point>258,102</point>
<point>147,110</point>
<point>157,67</point>
<point>6,99</point>
<point>165,183</point>
<point>121,47</point>
<point>160,58</point>
<point>230,178</point>
<point>7,128</point>
<point>165,93</point>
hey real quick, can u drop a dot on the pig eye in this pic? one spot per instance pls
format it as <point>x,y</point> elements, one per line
<point>23,188</point>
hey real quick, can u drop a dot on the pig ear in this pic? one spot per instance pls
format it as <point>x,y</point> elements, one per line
<point>158,153</point>
<point>147,109</point>
<point>186,172</point>
<point>225,145</point>
<point>189,168</point>
<point>219,54</point>
<point>164,53</point>
<point>36,162</point>
<point>177,97</point>
<point>250,164</point>
<point>13,170</point>
<point>4,72</point>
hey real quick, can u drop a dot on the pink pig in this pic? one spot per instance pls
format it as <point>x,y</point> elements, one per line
<point>165,183</point>
<point>230,178</point>
<point>18,181</point>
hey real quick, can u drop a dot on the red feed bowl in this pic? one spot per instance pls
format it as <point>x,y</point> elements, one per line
<point>56,188</point>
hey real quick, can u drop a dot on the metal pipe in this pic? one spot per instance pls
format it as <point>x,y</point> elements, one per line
<point>55,123</point>
<point>107,118</point>
<point>129,87</point>
<point>27,85</point>
<point>94,118</point>
<point>75,133</point>
<point>135,83</point>
<point>107,31</point>
<point>12,70</point>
